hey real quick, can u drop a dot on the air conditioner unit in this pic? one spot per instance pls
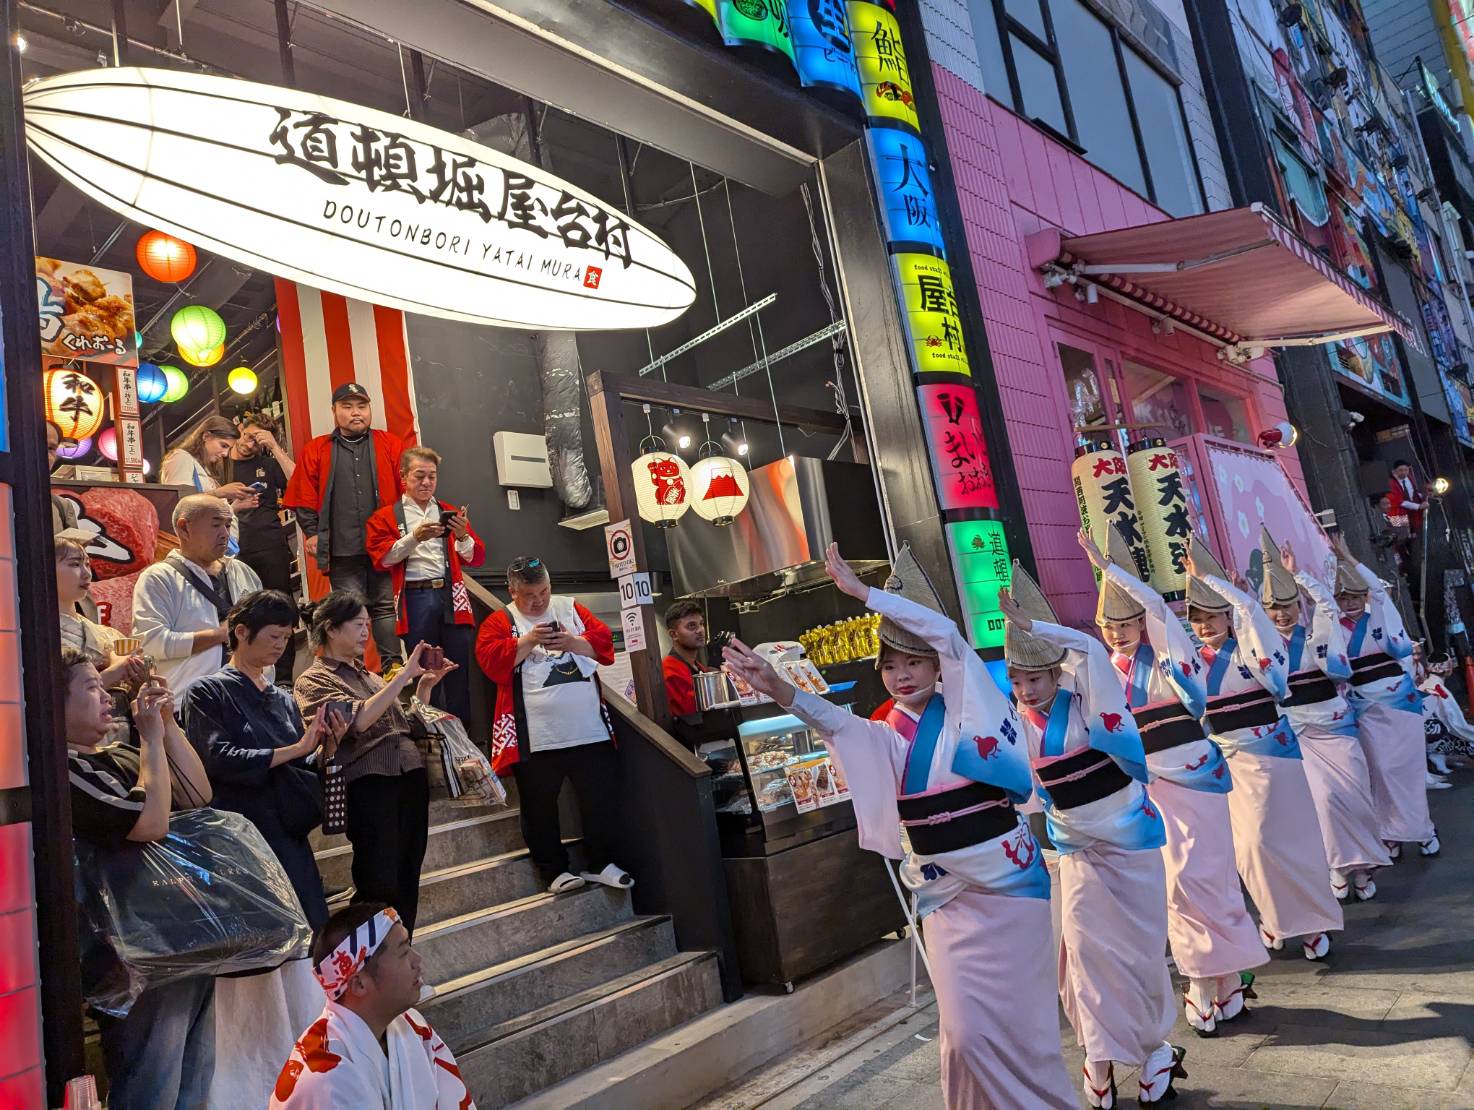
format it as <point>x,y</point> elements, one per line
<point>521,460</point>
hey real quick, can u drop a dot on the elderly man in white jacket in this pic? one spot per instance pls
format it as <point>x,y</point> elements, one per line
<point>180,603</point>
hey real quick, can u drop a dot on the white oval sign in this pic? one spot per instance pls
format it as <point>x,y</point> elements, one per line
<point>353,200</point>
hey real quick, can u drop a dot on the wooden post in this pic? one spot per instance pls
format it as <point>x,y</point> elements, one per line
<point>607,409</point>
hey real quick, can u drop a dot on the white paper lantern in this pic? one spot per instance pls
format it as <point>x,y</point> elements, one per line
<point>719,487</point>
<point>662,487</point>
<point>353,200</point>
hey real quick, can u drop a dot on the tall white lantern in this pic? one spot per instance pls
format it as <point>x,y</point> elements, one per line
<point>719,488</point>
<point>662,487</point>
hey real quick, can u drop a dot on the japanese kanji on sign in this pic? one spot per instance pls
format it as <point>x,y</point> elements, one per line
<point>1103,495</point>
<point>1161,507</point>
<point>933,319</point>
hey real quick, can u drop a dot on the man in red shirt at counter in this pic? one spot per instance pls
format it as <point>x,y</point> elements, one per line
<point>686,624</point>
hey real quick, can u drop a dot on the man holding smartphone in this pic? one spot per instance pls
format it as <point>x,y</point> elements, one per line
<point>423,543</point>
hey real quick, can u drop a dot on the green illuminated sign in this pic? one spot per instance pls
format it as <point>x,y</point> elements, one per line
<point>980,556</point>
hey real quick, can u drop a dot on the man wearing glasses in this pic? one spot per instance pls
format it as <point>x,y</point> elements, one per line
<point>550,723</point>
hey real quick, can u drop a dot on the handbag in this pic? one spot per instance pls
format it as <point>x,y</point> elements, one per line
<point>297,793</point>
<point>209,899</point>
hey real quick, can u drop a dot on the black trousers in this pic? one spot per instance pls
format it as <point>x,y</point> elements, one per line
<point>273,565</point>
<point>594,771</point>
<point>388,825</point>
<point>356,572</point>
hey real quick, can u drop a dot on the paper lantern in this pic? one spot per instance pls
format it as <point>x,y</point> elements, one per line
<point>196,327</point>
<point>719,488</point>
<point>265,176</point>
<point>165,258</point>
<point>107,444</point>
<point>1161,498</point>
<point>242,379</point>
<point>152,385</point>
<point>1103,495</point>
<point>178,384</point>
<point>74,403</point>
<point>662,487</point>
<point>202,357</point>
<point>74,450</point>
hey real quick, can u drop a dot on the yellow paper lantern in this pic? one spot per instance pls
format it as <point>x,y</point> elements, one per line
<point>74,403</point>
<point>242,379</point>
<point>1156,482</point>
<point>202,358</point>
<point>1103,495</point>
<point>178,384</point>
<point>719,488</point>
<point>662,487</point>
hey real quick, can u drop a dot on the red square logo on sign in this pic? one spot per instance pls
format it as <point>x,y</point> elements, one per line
<point>591,276</point>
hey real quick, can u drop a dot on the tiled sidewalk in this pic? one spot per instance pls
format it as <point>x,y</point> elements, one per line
<point>1386,1022</point>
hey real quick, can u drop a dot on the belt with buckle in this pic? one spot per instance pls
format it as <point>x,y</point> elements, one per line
<point>426,584</point>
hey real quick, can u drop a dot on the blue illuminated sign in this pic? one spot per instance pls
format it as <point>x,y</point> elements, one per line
<point>905,189</point>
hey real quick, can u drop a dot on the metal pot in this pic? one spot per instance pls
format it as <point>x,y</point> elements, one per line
<point>713,688</point>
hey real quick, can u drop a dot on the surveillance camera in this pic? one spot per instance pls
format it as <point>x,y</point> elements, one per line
<point>1352,419</point>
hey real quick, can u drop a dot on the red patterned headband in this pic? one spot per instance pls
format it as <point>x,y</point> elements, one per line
<point>339,966</point>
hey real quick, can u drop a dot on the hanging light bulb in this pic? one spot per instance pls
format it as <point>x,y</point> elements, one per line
<point>242,379</point>
<point>178,384</point>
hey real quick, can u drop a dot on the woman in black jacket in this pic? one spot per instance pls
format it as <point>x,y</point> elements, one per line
<point>263,765</point>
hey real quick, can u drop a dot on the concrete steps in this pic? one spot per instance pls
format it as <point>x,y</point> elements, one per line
<point>532,987</point>
<point>547,1045</point>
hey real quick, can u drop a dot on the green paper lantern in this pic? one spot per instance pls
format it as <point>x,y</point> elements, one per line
<point>197,328</point>
<point>178,384</point>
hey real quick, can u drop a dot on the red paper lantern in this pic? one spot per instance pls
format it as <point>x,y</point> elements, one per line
<point>165,258</point>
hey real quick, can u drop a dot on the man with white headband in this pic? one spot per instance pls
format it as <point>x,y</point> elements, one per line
<point>369,1049</point>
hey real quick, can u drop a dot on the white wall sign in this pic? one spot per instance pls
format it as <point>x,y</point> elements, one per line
<point>634,589</point>
<point>632,621</point>
<point>353,200</point>
<point>619,541</point>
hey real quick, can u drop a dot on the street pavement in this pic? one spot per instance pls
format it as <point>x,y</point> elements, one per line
<point>1386,1021</point>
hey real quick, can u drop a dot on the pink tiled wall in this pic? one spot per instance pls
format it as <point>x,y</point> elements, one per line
<point>1013,180</point>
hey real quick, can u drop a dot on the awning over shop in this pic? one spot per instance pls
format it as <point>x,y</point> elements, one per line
<point>1239,279</point>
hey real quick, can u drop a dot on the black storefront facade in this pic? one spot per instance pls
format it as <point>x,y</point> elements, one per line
<point>635,103</point>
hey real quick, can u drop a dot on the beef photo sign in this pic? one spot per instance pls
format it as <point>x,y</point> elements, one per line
<point>353,200</point>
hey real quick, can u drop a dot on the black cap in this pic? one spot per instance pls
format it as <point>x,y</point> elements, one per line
<point>347,390</point>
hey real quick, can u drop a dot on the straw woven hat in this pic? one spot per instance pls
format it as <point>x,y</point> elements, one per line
<point>1115,603</point>
<point>1024,649</point>
<point>1199,596</point>
<point>910,581</point>
<point>1349,580</point>
<point>1279,587</point>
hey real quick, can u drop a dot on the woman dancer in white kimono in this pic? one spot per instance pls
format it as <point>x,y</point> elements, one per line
<point>1324,724</point>
<point>1446,732</point>
<point>946,769</point>
<point>1090,771</point>
<point>1389,708</point>
<point>1276,835</point>
<point>1214,940</point>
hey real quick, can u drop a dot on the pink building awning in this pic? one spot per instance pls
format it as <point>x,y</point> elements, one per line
<point>1239,278</point>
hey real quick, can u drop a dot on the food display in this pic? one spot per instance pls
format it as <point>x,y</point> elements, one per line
<point>843,641</point>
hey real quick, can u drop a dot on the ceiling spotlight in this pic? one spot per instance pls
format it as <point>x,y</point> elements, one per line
<point>1441,486</point>
<point>18,40</point>
<point>684,441</point>
<point>742,447</point>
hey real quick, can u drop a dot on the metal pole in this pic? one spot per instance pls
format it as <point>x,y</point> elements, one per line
<point>916,948</point>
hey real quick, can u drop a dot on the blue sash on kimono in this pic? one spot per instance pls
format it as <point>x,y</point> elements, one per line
<point>1279,741</point>
<point>1136,826</point>
<point>1137,690</point>
<point>1014,863</point>
<point>1403,696</point>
